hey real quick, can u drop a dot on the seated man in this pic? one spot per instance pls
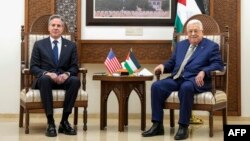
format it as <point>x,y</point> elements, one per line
<point>54,63</point>
<point>190,65</point>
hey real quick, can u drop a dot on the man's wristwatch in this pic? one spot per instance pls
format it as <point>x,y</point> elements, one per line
<point>67,73</point>
<point>45,72</point>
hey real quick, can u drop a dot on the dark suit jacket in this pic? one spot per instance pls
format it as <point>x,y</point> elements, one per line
<point>42,58</point>
<point>206,58</point>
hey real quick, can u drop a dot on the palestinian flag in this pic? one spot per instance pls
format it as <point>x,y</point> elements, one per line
<point>186,9</point>
<point>131,63</point>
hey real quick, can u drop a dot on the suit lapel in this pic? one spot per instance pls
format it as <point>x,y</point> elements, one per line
<point>49,50</point>
<point>184,50</point>
<point>63,50</point>
<point>197,51</point>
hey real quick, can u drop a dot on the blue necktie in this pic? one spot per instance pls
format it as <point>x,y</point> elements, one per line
<point>55,51</point>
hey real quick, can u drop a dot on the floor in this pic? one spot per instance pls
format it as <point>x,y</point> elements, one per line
<point>9,130</point>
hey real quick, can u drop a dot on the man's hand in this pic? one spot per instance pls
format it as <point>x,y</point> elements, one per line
<point>61,78</point>
<point>52,75</point>
<point>199,78</point>
<point>159,67</point>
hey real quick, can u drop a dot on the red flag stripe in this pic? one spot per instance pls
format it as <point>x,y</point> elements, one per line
<point>112,65</point>
<point>182,2</point>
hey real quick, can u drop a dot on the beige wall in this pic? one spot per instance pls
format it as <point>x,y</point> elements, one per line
<point>12,15</point>
<point>245,57</point>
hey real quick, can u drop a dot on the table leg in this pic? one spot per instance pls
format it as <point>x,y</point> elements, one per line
<point>103,108</point>
<point>122,104</point>
<point>143,110</point>
<point>141,91</point>
<point>102,118</point>
<point>105,113</point>
<point>126,112</point>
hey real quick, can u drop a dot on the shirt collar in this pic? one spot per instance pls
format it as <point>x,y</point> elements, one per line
<point>59,40</point>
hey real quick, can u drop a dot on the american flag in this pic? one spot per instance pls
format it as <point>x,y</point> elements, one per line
<point>112,62</point>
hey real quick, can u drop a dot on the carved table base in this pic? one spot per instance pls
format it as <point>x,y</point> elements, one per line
<point>122,87</point>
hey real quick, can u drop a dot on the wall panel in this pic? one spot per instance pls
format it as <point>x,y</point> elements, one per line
<point>227,12</point>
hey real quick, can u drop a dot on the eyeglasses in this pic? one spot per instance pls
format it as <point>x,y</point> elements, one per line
<point>56,25</point>
<point>193,31</point>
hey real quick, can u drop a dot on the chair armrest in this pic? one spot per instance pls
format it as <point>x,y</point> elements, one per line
<point>26,71</point>
<point>158,74</point>
<point>26,78</point>
<point>218,73</point>
<point>218,80</point>
<point>83,72</point>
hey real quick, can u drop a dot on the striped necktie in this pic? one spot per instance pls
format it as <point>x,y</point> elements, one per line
<point>184,62</point>
<point>55,51</point>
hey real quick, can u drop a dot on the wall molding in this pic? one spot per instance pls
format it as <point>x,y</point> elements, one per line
<point>146,51</point>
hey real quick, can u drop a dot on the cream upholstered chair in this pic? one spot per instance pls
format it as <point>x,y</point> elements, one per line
<point>30,100</point>
<point>213,100</point>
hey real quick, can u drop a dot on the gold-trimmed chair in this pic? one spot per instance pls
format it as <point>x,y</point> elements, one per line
<point>30,100</point>
<point>213,100</point>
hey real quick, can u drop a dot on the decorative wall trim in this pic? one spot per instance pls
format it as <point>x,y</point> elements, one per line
<point>67,8</point>
<point>146,51</point>
<point>35,9</point>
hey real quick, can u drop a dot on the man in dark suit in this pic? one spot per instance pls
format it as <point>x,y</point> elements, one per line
<point>190,65</point>
<point>54,63</point>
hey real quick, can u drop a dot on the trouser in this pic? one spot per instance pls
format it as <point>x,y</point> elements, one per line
<point>160,91</point>
<point>71,86</point>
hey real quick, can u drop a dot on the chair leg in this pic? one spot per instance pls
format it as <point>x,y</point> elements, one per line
<point>27,121</point>
<point>85,118</point>
<point>211,134</point>
<point>171,117</point>
<point>224,117</point>
<point>21,112</point>
<point>75,115</point>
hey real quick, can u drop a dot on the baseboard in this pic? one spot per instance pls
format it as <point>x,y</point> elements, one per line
<point>115,116</point>
<point>90,115</point>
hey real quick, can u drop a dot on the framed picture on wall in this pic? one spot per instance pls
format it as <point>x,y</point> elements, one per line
<point>130,12</point>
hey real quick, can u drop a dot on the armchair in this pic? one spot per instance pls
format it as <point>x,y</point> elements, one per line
<point>213,100</point>
<point>30,100</point>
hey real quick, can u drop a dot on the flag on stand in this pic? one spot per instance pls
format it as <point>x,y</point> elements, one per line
<point>186,9</point>
<point>131,63</point>
<point>112,62</point>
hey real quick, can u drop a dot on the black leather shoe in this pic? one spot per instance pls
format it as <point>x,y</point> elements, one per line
<point>182,133</point>
<point>66,128</point>
<point>51,130</point>
<point>156,129</point>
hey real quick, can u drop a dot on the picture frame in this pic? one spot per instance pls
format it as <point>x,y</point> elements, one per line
<point>153,17</point>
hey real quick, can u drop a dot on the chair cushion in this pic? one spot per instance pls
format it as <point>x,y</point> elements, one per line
<point>201,98</point>
<point>33,95</point>
<point>215,38</point>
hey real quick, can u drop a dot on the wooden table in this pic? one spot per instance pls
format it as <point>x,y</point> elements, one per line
<point>122,86</point>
